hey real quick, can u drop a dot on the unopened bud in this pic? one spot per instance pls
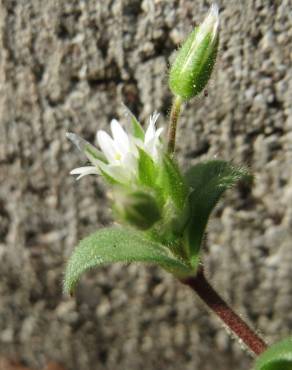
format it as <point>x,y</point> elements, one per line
<point>195,60</point>
<point>137,208</point>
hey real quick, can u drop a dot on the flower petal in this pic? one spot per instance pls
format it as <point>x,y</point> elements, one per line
<point>149,147</point>
<point>154,146</point>
<point>158,132</point>
<point>150,132</point>
<point>108,146</point>
<point>120,137</point>
<point>117,172</point>
<point>130,163</point>
<point>83,171</point>
<point>154,117</point>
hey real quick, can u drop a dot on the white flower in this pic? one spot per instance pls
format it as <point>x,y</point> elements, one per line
<point>119,155</point>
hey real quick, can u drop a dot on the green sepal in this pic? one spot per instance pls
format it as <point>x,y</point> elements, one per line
<point>276,357</point>
<point>172,182</point>
<point>137,129</point>
<point>147,170</point>
<point>118,244</point>
<point>94,154</point>
<point>207,182</point>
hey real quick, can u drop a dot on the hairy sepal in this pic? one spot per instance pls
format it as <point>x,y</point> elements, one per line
<point>147,169</point>
<point>172,182</point>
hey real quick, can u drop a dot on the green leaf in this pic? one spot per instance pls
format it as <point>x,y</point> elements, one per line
<point>172,182</point>
<point>119,245</point>
<point>207,182</point>
<point>277,357</point>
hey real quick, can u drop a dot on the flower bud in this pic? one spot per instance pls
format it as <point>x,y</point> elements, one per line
<point>137,208</point>
<point>195,60</point>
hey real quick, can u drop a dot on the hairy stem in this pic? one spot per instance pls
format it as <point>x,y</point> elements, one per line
<point>212,299</point>
<point>174,114</point>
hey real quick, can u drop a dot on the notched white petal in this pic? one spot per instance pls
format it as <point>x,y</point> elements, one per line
<point>150,132</point>
<point>120,137</point>
<point>150,148</point>
<point>158,132</point>
<point>130,163</point>
<point>117,172</point>
<point>107,145</point>
<point>154,117</point>
<point>84,171</point>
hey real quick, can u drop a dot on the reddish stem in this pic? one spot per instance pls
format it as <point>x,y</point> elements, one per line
<point>212,299</point>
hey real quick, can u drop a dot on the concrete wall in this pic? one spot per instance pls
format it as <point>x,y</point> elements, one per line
<point>68,65</point>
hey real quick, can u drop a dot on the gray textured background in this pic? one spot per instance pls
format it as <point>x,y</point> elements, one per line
<point>68,65</point>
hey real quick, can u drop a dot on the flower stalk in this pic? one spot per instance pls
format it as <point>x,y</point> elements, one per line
<point>174,115</point>
<point>218,306</point>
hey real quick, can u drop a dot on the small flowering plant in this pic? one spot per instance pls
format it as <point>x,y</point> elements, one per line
<point>162,211</point>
